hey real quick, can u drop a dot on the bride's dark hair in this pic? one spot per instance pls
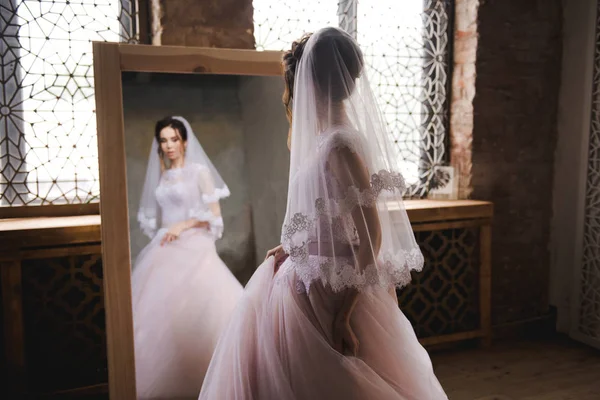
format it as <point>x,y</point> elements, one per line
<point>170,122</point>
<point>331,46</point>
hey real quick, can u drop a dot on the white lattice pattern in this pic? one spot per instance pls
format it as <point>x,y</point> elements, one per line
<point>407,50</point>
<point>48,148</point>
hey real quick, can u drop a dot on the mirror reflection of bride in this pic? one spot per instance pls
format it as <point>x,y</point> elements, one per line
<point>183,293</point>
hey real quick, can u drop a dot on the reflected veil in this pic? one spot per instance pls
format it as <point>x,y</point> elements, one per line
<point>214,190</point>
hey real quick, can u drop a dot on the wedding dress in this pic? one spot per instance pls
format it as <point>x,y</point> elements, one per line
<point>280,344</point>
<point>183,294</point>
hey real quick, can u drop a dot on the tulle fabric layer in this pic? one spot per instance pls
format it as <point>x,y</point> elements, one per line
<point>183,296</point>
<point>277,346</point>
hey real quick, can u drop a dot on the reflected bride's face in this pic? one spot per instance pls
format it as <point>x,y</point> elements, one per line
<point>171,144</point>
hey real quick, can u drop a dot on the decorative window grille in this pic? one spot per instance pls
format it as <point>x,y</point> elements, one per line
<point>48,149</point>
<point>48,152</point>
<point>407,46</point>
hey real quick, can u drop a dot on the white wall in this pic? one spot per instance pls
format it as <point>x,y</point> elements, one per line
<point>579,18</point>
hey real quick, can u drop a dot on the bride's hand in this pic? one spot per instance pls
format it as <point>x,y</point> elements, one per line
<point>344,339</point>
<point>274,251</point>
<point>279,254</point>
<point>172,234</point>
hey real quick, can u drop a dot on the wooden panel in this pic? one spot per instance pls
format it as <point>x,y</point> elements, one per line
<point>27,233</point>
<point>441,225</point>
<point>61,210</point>
<point>181,60</point>
<point>443,299</point>
<point>53,252</point>
<point>32,225</point>
<point>485,283</point>
<point>447,210</point>
<point>14,348</point>
<point>64,322</point>
<point>115,225</point>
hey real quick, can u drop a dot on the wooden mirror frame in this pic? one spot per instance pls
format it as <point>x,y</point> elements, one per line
<point>110,60</point>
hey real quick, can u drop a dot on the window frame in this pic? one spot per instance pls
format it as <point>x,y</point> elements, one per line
<point>132,30</point>
<point>142,18</point>
<point>438,153</point>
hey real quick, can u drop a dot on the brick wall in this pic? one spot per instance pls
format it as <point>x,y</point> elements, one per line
<point>518,77</point>
<point>203,23</point>
<point>463,92</point>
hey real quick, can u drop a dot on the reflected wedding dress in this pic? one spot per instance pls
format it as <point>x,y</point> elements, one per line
<point>183,294</point>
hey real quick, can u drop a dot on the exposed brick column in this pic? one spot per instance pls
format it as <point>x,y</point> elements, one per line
<point>202,23</point>
<point>463,92</point>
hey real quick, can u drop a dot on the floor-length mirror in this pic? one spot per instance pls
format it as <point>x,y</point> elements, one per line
<point>207,171</point>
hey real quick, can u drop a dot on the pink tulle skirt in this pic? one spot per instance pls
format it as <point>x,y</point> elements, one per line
<point>183,296</point>
<point>278,346</point>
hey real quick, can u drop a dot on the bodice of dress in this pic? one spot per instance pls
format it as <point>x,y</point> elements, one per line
<point>334,187</point>
<point>184,193</point>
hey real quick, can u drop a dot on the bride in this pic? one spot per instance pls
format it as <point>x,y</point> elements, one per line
<point>183,294</point>
<point>320,319</point>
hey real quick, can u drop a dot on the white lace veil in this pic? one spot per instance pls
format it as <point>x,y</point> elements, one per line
<point>345,224</point>
<point>148,213</point>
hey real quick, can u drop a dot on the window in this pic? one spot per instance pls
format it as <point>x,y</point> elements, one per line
<point>407,47</point>
<point>48,148</point>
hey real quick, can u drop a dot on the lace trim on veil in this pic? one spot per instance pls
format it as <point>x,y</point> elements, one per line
<point>216,195</point>
<point>340,273</point>
<point>215,222</point>
<point>147,224</point>
<point>391,268</point>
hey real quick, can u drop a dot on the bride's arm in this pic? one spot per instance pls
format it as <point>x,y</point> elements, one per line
<point>190,224</point>
<point>180,227</point>
<point>199,217</point>
<point>351,172</point>
<point>195,222</point>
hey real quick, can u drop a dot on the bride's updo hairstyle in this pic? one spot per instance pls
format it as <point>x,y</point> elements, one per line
<point>331,47</point>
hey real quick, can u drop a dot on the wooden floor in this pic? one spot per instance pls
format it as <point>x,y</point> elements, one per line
<point>543,369</point>
<point>547,369</point>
